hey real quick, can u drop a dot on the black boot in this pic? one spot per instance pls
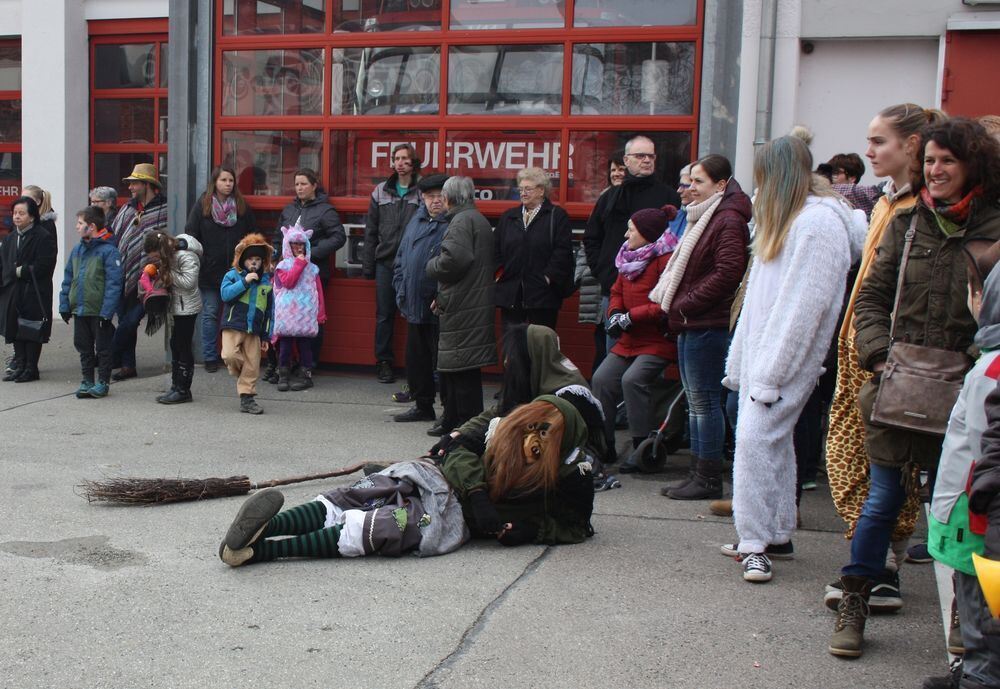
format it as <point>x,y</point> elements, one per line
<point>271,374</point>
<point>706,484</point>
<point>181,391</point>
<point>303,381</point>
<point>248,405</point>
<point>630,466</point>
<point>283,379</point>
<point>15,365</point>
<point>692,469</point>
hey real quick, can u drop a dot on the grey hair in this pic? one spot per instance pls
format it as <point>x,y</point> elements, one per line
<point>458,191</point>
<point>685,171</point>
<point>535,175</point>
<point>635,139</point>
<point>103,194</point>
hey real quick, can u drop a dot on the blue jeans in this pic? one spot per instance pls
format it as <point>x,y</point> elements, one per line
<point>702,360</point>
<point>878,517</point>
<point>126,336</point>
<point>385,311</point>
<point>211,305</point>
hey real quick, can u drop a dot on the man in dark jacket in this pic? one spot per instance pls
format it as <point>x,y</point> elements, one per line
<point>393,203</point>
<point>606,227</point>
<point>414,293</point>
<point>464,303</point>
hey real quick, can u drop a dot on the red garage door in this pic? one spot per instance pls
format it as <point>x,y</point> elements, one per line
<point>971,81</point>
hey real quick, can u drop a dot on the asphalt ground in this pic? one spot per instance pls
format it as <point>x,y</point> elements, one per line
<point>106,596</point>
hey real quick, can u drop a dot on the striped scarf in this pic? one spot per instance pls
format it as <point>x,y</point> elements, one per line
<point>131,227</point>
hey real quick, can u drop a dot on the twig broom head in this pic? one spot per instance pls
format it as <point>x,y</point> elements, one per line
<point>153,491</point>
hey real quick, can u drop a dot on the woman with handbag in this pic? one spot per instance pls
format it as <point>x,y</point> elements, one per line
<point>27,261</point>
<point>913,329</point>
<point>533,255</point>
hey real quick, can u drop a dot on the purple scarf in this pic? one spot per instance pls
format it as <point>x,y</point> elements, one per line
<point>631,263</point>
<point>224,212</point>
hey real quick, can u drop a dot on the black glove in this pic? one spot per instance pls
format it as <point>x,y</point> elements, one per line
<point>518,534</point>
<point>485,513</point>
<point>65,315</point>
<point>442,446</point>
<point>104,322</point>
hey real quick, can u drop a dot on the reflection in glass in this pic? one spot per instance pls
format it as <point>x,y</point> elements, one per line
<point>163,121</point>
<point>130,66</point>
<point>381,81</point>
<point>492,159</point>
<point>635,12</point>
<point>507,14</point>
<point>10,188</point>
<point>110,168</point>
<point>265,161</point>
<point>591,151</point>
<point>633,79</point>
<point>360,159</point>
<point>10,121</point>
<point>244,17</point>
<point>10,67</point>
<point>508,79</point>
<point>272,82</point>
<point>386,15</point>
<point>164,62</point>
<point>123,120</point>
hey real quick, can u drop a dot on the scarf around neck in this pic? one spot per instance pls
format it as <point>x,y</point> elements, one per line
<point>698,217</point>
<point>951,218</point>
<point>632,262</point>
<point>224,212</point>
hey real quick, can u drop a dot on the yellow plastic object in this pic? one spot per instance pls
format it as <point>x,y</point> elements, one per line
<point>988,572</point>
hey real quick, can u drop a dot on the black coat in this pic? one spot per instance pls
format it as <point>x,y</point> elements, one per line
<point>527,257</point>
<point>218,243</point>
<point>328,232</point>
<point>36,254</point>
<point>606,227</point>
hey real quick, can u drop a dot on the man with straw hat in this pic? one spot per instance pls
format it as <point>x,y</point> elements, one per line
<point>145,212</point>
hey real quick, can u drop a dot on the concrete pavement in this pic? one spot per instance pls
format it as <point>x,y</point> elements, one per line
<point>103,596</point>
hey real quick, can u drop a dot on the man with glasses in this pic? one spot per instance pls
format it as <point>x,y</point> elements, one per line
<point>606,227</point>
<point>105,198</point>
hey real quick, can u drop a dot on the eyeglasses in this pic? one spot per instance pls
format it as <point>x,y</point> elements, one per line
<point>683,186</point>
<point>527,190</point>
<point>643,156</point>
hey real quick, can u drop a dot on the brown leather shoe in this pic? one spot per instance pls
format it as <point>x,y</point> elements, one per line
<point>721,508</point>
<point>124,373</point>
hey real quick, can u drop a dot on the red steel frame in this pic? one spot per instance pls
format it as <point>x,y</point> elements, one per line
<point>9,146</point>
<point>121,32</point>
<point>442,122</point>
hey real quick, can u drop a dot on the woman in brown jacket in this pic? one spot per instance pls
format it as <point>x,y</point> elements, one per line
<point>958,202</point>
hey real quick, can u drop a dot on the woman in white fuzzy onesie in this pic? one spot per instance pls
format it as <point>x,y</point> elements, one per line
<point>806,239</point>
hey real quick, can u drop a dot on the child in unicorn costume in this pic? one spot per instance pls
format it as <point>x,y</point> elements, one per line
<point>298,307</point>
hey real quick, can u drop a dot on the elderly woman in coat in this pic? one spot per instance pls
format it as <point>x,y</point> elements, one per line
<point>533,245</point>
<point>464,304</point>
<point>27,261</point>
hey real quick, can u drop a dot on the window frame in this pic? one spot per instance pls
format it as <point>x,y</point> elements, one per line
<point>565,123</point>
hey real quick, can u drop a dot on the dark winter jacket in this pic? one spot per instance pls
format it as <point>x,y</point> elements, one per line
<point>647,335</point>
<point>526,257</point>
<point>48,221</point>
<point>607,224</point>
<point>984,497</point>
<point>933,312</point>
<point>561,515</point>
<point>328,232</point>
<point>388,216</point>
<point>715,267</point>
<point>590,289</point>
<point>35,254</point>
<point>464,271</point>
<point>92,281</point>
<point>217,242</point>
<point>414,290</point>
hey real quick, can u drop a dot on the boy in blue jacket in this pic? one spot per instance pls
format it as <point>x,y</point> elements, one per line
<point>247,315</point>
<point>91,289</point>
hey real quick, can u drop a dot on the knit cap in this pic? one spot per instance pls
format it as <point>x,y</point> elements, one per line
<point>651,222</point>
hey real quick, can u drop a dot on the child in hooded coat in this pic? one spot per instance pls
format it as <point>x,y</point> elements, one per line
<point>299,308</point>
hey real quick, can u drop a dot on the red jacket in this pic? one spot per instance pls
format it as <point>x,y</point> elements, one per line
<point>649,324</point>
<point>716,267</point>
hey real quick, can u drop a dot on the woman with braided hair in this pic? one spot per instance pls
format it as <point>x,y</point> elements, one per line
<point>533,484</point>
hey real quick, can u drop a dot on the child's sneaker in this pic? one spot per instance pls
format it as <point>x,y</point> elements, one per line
<point>99,390</point>
<point>756,567</point>
<point>83,392</point>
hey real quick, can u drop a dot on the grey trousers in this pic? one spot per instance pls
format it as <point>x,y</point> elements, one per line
<point>981,662</point>
<point>631,378</point>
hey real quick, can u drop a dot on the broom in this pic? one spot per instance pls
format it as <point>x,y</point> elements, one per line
<point>158,491</point>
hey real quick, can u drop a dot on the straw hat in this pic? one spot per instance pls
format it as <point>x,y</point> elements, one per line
<point>144,172</point>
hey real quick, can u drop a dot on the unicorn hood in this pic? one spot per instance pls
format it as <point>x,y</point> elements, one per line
<point>295,234</point>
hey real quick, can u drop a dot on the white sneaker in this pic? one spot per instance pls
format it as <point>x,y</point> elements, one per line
<point>756,567</point>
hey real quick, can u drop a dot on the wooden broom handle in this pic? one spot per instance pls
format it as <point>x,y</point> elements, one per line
<point>315,477</point>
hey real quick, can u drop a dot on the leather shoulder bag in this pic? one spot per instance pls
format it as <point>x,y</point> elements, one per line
<point>29,329</point>
<point>919,385</point>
